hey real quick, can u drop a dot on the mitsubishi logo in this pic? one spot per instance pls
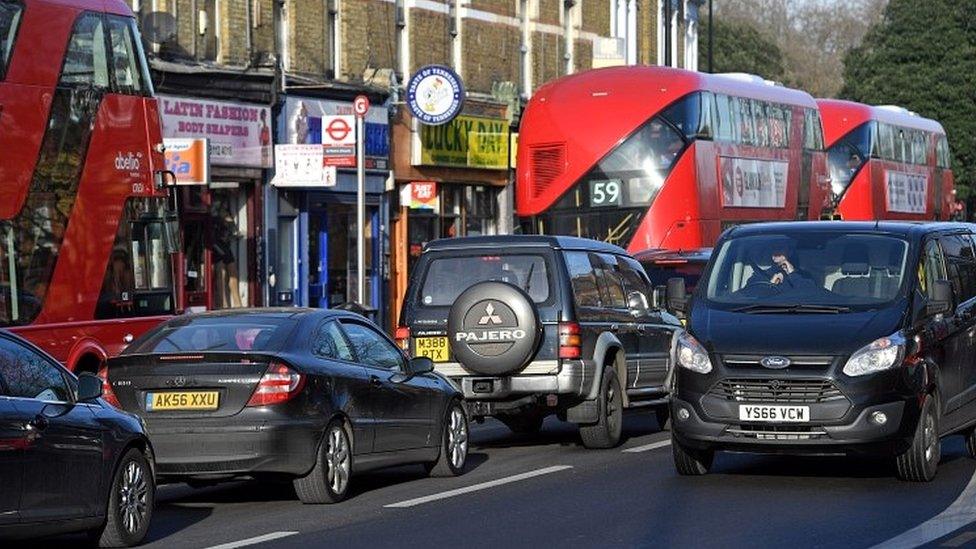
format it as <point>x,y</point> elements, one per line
<point>490,316</point>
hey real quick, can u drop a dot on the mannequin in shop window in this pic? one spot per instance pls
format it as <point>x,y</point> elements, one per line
<point>226,282</point>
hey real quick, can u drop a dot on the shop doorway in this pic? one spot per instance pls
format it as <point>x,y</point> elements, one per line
<point>332,256</point>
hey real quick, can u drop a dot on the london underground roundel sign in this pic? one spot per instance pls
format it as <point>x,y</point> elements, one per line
<point>435,94</point>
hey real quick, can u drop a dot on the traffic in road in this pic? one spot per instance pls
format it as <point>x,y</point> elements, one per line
<point>539,490</point>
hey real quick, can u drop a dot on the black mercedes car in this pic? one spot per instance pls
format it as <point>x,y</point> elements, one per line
<point>69,462</point>
<point>308,394</point>
<point>830,338</point>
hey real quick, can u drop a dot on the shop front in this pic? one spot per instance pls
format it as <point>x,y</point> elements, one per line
<point>312,223</point>
<point>452,180</point>
<point>220,211</point>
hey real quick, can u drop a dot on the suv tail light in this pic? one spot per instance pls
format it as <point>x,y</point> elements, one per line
<point>279,384</point>
<point>108,395</point>
<point>569,340</point>
<point>402,337</point>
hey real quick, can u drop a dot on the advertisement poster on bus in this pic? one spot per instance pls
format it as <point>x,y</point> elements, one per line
<point>906,192</point>
<point>753,183</point>
<point>239,133</point>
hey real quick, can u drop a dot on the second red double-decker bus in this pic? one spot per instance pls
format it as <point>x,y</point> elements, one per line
<point>886,162</point>
<point>85,260</point>
<point>663,158</point>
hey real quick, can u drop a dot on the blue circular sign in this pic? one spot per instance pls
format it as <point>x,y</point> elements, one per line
<point>435,94</point>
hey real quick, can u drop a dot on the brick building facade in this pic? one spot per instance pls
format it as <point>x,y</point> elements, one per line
<point>331,50</point>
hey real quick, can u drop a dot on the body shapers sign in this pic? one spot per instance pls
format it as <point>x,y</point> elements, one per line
<point>239,133</point>
<point>906,192</point>
<point>753,183</point>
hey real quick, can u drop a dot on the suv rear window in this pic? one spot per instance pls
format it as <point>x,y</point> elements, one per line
<point>218,333</point>
<point>447,277</point>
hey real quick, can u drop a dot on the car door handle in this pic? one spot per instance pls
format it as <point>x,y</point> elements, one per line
<point>375,380</point>
<point>39,423</point>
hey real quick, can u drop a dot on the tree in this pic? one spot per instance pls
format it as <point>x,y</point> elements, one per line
<point>922,56</point>
<point>814,35</point>
<point>739,47</point>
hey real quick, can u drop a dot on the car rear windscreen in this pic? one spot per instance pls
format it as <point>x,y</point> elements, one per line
<point>447,277</point>
<point>235,334</point>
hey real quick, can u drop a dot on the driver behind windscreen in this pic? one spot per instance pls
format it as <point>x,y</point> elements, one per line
<point>786,271</point>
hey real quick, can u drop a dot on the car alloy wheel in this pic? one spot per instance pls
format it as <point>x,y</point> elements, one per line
<point>133,497</point>
<point>457,438</point>
<point>339,460</point>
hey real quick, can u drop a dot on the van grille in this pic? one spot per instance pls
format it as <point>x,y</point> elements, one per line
<point>548,163</point>
<point>777,432</point>
<point>752,361</point>
<point>788,391</point>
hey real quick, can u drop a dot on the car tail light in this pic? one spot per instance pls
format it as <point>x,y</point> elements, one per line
<point>569,340</point>
<point>402,337</point>
<point>108,394</point>
<point>278,384</point>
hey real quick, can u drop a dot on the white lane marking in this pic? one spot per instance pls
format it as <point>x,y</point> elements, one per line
<point>646,447</point>
<point>959,514</point>
<point>252,541</point>
<point>477,487</point>
<point>960,540</point>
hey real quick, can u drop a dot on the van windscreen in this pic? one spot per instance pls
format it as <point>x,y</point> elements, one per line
<point>830,269</point>
<point>447,277</point>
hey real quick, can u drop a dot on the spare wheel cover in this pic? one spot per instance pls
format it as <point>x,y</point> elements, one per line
<point>494,328</point>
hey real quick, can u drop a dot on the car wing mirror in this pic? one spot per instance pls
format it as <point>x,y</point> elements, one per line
<point>420,365</point>
<point>89,387</point>
<point>677,295</point>
<point>939,298</point>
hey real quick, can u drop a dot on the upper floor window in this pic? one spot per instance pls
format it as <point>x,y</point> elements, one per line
<point>10,13</point>
<point>86,59</point>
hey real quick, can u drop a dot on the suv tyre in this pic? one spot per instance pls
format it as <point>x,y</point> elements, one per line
<point>605,433</point>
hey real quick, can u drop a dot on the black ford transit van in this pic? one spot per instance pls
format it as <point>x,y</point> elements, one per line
<point>829,338</point>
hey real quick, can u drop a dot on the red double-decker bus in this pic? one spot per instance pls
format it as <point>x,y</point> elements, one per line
<point>886,162</point>
<point>663,158</point>
<point>85,262</point>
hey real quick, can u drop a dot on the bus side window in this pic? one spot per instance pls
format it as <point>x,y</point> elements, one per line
<point>724,124</point>
<point>86,59</point>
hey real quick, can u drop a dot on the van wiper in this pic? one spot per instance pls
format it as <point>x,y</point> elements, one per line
<point>761,308</point>
<point>528,277</point>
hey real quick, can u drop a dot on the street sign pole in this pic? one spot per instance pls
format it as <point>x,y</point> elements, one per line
<point>361,106</point>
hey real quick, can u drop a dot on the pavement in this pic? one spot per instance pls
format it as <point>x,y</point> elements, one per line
<point>545,489</point>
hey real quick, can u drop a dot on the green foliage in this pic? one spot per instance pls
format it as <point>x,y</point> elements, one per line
<point>739,47</point>
<point>922,56</point>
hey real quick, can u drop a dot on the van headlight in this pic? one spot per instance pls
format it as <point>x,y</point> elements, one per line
<point>880,354</point>
<point>692,355</point>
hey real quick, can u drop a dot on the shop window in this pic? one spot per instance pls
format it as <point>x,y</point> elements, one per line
<point>479,211</point>
<point>229,255</point>
<point>10,13</point>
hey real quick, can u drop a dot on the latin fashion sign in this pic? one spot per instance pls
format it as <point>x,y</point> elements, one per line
<point>753,183</point>
<point>239,133</point>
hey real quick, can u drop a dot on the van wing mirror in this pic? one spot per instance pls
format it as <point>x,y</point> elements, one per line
<point>677,295</point>
<point>940,297</point>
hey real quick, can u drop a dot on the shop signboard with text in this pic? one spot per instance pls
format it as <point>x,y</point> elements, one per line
<point>468,142</point>
<point>308,121</point>
<point>420,195</point>
<point>239,133</point>
<point>189,160</point>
